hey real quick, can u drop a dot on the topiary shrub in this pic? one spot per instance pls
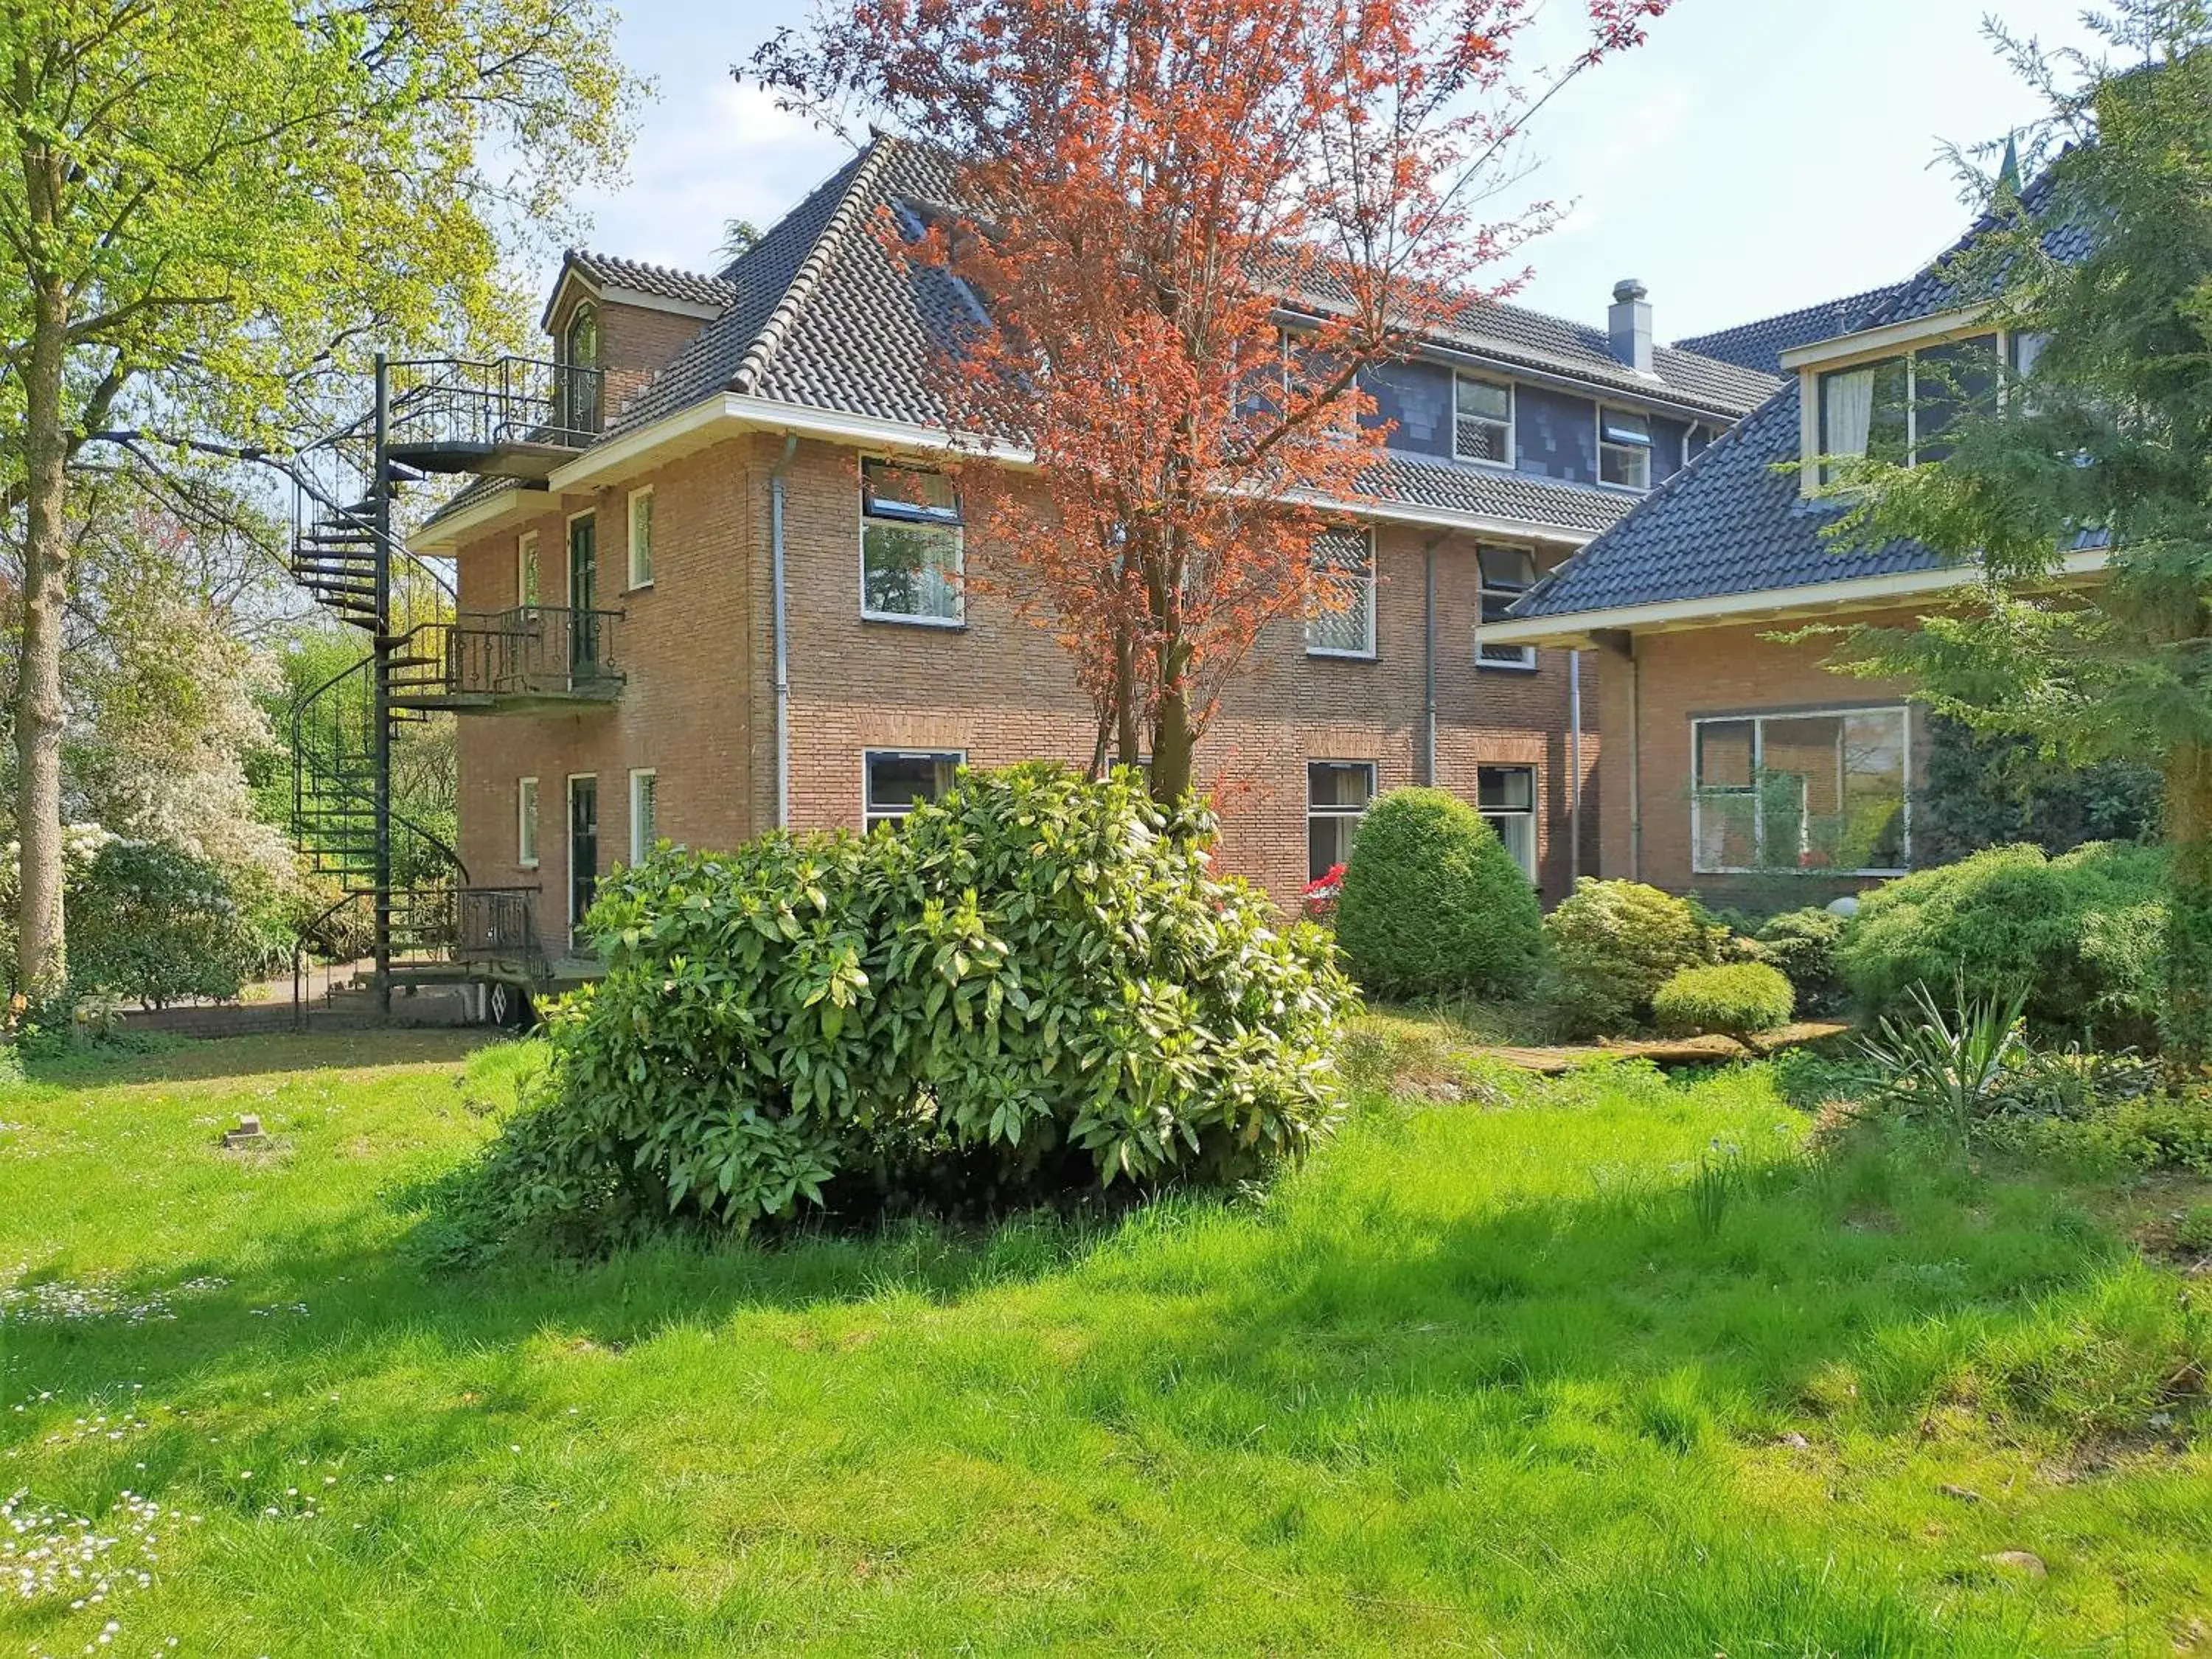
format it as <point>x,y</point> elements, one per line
<point>1735,1000</point>
<point>1431,903</point>
<point>1802,945</point>
<point>1028,990</point>
<point>1615,943</point>
<point>2080,934</point>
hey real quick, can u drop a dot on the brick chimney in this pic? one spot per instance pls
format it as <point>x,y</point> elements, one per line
<point>1629,324</point>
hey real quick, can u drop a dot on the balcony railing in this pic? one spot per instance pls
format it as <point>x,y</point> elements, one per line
<point>460,404</point>
<point>530,652</point>
<point>496,924</point>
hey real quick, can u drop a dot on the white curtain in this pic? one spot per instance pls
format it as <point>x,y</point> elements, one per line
<point>1850,411</point>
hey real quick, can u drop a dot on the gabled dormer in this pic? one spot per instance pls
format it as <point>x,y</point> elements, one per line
<point>627,318</point>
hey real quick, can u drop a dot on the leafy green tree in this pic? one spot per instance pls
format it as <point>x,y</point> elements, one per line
<point>2099,435</point>
<point>205,204</point>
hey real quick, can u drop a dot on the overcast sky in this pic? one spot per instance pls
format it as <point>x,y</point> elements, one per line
<point>1754,157</point>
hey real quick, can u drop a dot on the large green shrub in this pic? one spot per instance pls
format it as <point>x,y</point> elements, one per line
<point>149,923</point>
<point>1735,999</point>
<point>1030,988</point>
<point>2079,933</point>
<point>1802,945</point>
<point>1433,905</point>
<point>1615,943</point>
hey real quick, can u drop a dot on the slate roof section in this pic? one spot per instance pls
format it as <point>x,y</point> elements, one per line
<point>1727,523</point>
<point>1939,286</point>
<point>1488,492</point>
<point>1759,345</point>
<point>609,271</point>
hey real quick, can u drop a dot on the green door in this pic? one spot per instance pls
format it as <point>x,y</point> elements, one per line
<point>583,597</point>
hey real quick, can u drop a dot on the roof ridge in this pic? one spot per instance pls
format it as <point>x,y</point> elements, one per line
<point>648,265</point>
<point>1878,291</point>
<point>812,269</point>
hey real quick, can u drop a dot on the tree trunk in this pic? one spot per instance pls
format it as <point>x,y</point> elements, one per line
<point>1173,743</point>
<point>39,708</point>
<point>2188,1020</point>
<point>1129,740</point>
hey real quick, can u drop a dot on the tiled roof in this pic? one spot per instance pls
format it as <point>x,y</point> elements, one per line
<point>1491,492</point>
<point>826,318</point>
<point>1727,523</point>
<point>1735,520</point>
<point>1759,345</point>
<point>689,286</point>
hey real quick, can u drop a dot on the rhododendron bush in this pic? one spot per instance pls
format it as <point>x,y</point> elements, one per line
<point>1031,990</point>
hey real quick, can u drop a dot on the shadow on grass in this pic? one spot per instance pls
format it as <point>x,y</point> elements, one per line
<point>197,1059</point>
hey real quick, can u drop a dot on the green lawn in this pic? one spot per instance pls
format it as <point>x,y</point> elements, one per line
<point>1487,1377</point>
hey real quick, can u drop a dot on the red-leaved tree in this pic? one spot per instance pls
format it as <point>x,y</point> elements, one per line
<point>1191,225</point>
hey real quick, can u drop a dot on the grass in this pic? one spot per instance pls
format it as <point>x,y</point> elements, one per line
<point>1607,1366</point>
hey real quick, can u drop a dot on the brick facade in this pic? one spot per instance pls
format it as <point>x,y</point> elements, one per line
<point>1678,676</point>
<point>698,706</point>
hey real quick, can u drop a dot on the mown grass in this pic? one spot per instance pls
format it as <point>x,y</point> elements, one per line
<point>1607,1366</point>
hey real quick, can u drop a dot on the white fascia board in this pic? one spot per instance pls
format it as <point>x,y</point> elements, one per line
<point>1761,603</point>
<point>638,297</point>
<point>734,413</point>
<point>486,513</point>
<point>1911,331</point>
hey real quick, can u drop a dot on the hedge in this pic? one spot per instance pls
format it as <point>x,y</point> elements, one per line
<point>1736,999</point>
<point>1431,903</point>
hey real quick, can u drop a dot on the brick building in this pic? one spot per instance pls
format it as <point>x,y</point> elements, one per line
<point>729,511</point>
<point>1735,763</point>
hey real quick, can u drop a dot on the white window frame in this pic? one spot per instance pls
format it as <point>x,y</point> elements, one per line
<point>1757,719</point>
<point>870,817</point>
<point>1523,660</point>
<point>959,529</point>
<point>1644,449</point>
<point>643,780</point>
<point>1365,651</point>
<point>2003,338</point>
<point>529,572</point>
<point>1531,812</point>
<point>639,576</point>
<point>1512,420</point>
<point>526,824</point>
<point>1333,810</point>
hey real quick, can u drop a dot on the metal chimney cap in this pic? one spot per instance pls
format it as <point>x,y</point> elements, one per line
<point>1627,289</point>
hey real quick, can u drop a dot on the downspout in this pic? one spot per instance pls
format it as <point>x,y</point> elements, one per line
<point>1429,662</point>
<point>782,640</point>
<point>1574,767</point>
<point>1635,764</point>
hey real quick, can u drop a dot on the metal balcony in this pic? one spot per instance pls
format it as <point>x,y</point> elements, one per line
<point>533,659</point>
<point>504,418</point>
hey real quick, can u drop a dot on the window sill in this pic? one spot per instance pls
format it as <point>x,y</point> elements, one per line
<point>1506,667</point>
<point>638,587</point>
<point>950,624</point>
<point>1794,872</point>
<point>525,864</point>
<point>1343,656</point>
<point>1480,460</point>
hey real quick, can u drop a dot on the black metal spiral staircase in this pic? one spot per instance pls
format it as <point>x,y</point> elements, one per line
<point>403,885</point>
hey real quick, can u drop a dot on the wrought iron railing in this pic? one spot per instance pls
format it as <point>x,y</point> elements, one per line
<point>496,924</point>
<point>535,650</point>
<point>473,403</point>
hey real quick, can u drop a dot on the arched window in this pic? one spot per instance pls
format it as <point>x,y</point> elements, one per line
<point>579,356</point>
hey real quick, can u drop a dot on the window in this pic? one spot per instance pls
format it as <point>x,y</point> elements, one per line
<point>579,352</point>
<point>1823,792</point>
<point>1624,448</point>
<point>1482,420</point>
<point>910,544</point>
<point>526,822</point>
<point>893,780</point>
<point>583,853</point>
<point>1897,409</point>
<point>644,815</point>
<point>1507,572</point>
<point>1337,794</point>
<point>526,570</point>
<point>640,538</point>
<point>1506,796</point>
<point>1344,560</point>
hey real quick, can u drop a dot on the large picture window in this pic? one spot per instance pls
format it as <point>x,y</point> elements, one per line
<point>1344,561</point>
<point>1337,797</point>
<point>894,782</point>
<point>1897,409</point>
<point>1506,573</point>
<point>1823,793</point>
<point>1506,796</point>
<point>1482,420</point>
<point>910,547</point>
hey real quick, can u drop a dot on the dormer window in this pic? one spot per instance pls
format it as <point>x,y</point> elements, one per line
<point>1482,420</point>
<point>1624,448</point>
<point>580,350</point>
<point>1895,410</point>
